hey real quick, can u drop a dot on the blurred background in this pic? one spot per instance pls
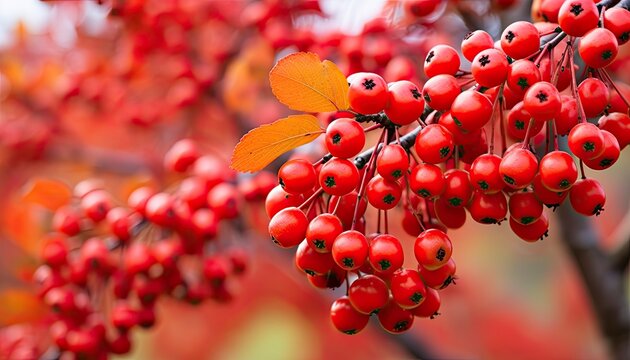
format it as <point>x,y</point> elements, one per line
<point>102,89</point>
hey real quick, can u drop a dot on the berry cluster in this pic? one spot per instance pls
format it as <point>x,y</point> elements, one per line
<point>105,266</point>
<point>446,168</point>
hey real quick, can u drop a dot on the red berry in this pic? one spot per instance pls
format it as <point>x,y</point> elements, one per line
<point>441,59</point>
<point>475,42</point>
<point>311,261</point>
<point>609,156</point>
<point>434,144</point>
<point>345,318</point>
<point>577,17</point>
<point>440,91</point>
<point>518,168</point>
<point>430,305</point>
<point>586,141</point>
<point>350,250</point>
<point>392,162</point>
<point>542,101</point>
<point>616,20</point>
<point>427,181</point>
<point>338,177</point>
<point>368,294</point>
<point>471,110</point>
<point>385,254</point>
<point>594,95</point>
<point>297,176</point>
<point>598,48</point>
<point>408,289</point>
<point>344,138</point>
<point>587,197</point>
<point>520,40</point>
<point>490,68</point>
<point>458,188</point>
<point>278,199</point>
<point>440,278</point>
<point>485,175</point>
<point>432,248</point>
<point>558,171</point>
<point>532,232</point>
<point>488,208</point>
<point>181,155</point>
<point>368,93</point>
<point>322,231</point>
<point>405,102</point>
<point>525,207</point>
<point>288,227</point>
<point>395,319</point>
<point>383,194</point>
<point>617,124</point>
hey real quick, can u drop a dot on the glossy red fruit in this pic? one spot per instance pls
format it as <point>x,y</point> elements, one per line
<point>67,221</point>
<point>368,294</point>
<point>616,20</point>
<point>546,196</point>
<point>524,207</point>
<point>598,48</point>
<point>395,319</point>
<point>278,199</point>
<point>96,204</point>
<point>138,199</point>
<point>586,141</point>
<point>518,168</point>
<point>532,232</point>
<point>392,162</point>
<point>609,156</point>
<point>542,101</point>
<point>343,207</point>
<point>617,124</point>
<point>427,180</point>
<point>331,280</point>
<point>408,289</point>
<point>159,210</point>
<point>595,96</point>
<point>587,197</point>
<point>522,74</point>
<point>345,318</point>
<point>350,250</point>
<point>224,199</point>
<point>338,177</point>
<point>383,194</point>
<point>451,217</point>
<point>344,138</point>
<point>440,278</point>
<point>518,120</point>
<point>520,39</point>
<point>549,9</point>
<point>471,110</point>
<point>54,251</point>
<point>181,155</point>
<point>441,59</point>
<point>485,175</point>
<point>488,208</point>
<point>288,227</point>
<point>475,42</point>
<point>312,262</point>
<point>440,91</point>
<point>405,102</point>
<point>434,144</point>
<point>297,176</point>
<point>193,191</point>
<point>385,254</point>
<point>490,68</point>
<point>558,171</point>
<point>368,93</point>
<point>421,8</point>
<point>430,305</point>
<point>568,116</point>
<point>458,188</point>
<point>322,231</point>
<point>577,17</point>
<point>432,248</point>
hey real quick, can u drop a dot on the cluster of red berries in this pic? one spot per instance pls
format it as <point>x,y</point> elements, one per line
<point>105,266</point>
<point>447,164</point>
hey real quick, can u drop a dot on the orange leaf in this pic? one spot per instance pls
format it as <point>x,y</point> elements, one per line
<point>303,82</point>
<point>264,144</point>
<point>19,306</point>
<point>48,193</point>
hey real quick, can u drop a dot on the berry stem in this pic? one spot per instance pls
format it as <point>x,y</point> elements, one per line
<point>385,222</point>
<point>502,124</point>
<point>378,222</point>
<point>576,95</point>
<point>528,134</point>
<point>311,198</point>
<point>582,170</point>
<point>370,128</point>
<point>493,119</point>
<point>614,86</point>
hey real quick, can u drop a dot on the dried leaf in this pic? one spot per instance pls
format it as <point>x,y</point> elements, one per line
<point>303,82</point>
<point>51,194</point>
<point>262,145</point>
<point>19,306</point>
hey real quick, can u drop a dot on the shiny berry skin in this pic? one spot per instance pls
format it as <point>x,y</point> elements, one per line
<point>331,280</point>
<point>451,217</point>
<point>617,124</point>
<point>532,232</point>
<point>368,93</point>
<point>181,155</point>
<point>395,319</point>
<point>408,289</point>
<point>311,261</point>
<point>159,210</point>
<point>518,120</point>
<point>518,168</point>
<point>297,176</point>
<point>524,207</point>
<point>224,200</point>
<point>568,116</point>
<point>460,137</point>
<point>542,101</point>
<point>368,294</point>
<point>430,305</point>
<point>595,96</point>
<point>520,40</point>
<point>490,68</point>
<point>558,171</point>
<point>350,250</point>
<point>427,180</point>
<point>522,74</point>
<point>278,199</point>
<point>471,110</point>
<point>345,318</point>
<point>383,194</point>
<point>609,156</point>
<point>488,208</point>
<point>440,278</point>
<point>434,144</point>
<point>441,59</point>
<point>458,189</point>
<point>288,227</point>
<point>586,141</point>
<point>432,248</point>
<point>549,10</point>
<point>587,197</point>
<point>405,102</point>
<point>577,17</point>
<point>338,177</point>
<point>598,48</point>
<point>96,204</point>
<point>67,220</point>
<point>546,196</point>
<point>344,138</point>
<point>440,91</point>
<point>193,191</point>
<point>392,162</point>
<point>54,251</point>
<point>475,42</point>
<point>322,231</point>
<point>618,22</point>
<point>385,254</point>
<point>485,175</point>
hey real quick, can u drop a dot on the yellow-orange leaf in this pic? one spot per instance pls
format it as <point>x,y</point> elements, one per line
<point>19,306</point>
<point>51,194</point>
<point>264,144</point>
<point>303,82</point>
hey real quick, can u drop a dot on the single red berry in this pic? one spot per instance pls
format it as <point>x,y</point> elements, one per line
<point>549,10</point>
<point>558,171</point>
<point>405,102</point>
<point>288,227</point>
<point>518,120</point>
<point>525,208</point>
<point>345,318</point>
<point>159,210</point>
<point>434,144</point>
<point>522,74</point>
<point>385,254</point>
<point>546,196</point>
<point>368,294</point>
<point>427,180</point>
<point>432,248</point>
<point>338,176</point>
<point>490,68</point>
<point>311,261</point>
<point>441,59</point>
<point>568,117</point>
<point>440,278</point>
<point>485,175</point>
<point>542,101</point>
<point>440,91</point>
<point>488,208</point>
<point>471,110</point>
<point>392,162</point>
<point>297,176</point>
<point>408,289</point>
<point>278,199</point>
<point>344,138</point>
<point>609,156</point>
<point>533,231</point>
<point>430,305</point>
<point>577,17</point>
<point>598,48</point>
<point>96,204</point>
<point>616,20</point>
<point>520,40</point>
<point>595,96</point>
<point>322,231</point>
<point>617,124</point>
<point>368,93</point>
<point>475,42</point>
<point>181,155</point>
<point>458,188</point>
<point>586,141</point>
<point>67,220</point>
<point>350,250</point>
<point>451,217</point>
<point>518,168</point>
<point>587,197</point>
<point>54,251</point>
<point>395,319</point>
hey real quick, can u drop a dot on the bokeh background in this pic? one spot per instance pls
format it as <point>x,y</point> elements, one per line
<point>95,89</point>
